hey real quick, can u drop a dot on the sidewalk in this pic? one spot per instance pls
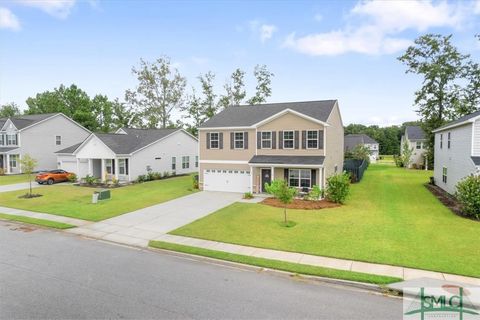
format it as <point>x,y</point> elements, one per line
<point>333,263</point>
<point>46,216</point>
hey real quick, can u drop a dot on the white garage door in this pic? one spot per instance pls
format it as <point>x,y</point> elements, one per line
<point>226,180</point>
<point>69,166</point>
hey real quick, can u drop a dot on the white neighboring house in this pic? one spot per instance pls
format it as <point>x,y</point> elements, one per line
<point>416,139</point>
<point>457,151</point>
<point>353,140</point>
<point>128,153</point>
<point>40,136</point>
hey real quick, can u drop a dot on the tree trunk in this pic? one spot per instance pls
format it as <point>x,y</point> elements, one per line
<point>285,213</point>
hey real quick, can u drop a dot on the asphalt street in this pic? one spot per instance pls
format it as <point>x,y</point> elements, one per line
<point>47,274</point>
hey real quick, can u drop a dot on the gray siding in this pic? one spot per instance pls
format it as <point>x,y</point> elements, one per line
<point>457,159</point>
<point>476,138</point>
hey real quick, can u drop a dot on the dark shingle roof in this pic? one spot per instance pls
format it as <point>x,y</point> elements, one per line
<point>24,121</point>
<point>415,133</point>
<point>70,149</point>
<point>476,160</point>
<point>289,160</point>
<point>134,139</point>
<point>353,140</point>
<point>244,116</point>
<point>460,120</point>
<point>6,149</point>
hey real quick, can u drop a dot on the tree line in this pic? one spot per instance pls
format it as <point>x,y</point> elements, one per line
<point>161,91</point>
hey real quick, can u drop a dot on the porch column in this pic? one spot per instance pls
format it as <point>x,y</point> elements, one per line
<point>272,174</point>
<point>102,171</point>
<point>90,167</point>
<point>251,179</point>
<point>8,163</point>
<point>116,169</point>
<point>78,168</point>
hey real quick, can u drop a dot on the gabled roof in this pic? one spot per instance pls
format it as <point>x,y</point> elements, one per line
<point>70,149</point>
<point>24,121</point>
<point>248,115</point>
<point>288,160</point>
<point>460,121</point>
<point>7,149</point>
<point>415,133</point>
<point>353,140</point>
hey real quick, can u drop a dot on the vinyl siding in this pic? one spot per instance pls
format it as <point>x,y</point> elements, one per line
<point>476,138</point>
<point>334,153</point>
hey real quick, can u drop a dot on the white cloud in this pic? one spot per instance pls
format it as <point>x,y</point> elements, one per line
<point>199,60</point>
<point>373,27</point>
<point>318,17</point>
<point>58,8</point>
<point>8,20</point>
<point>476,8</point>
<point>263,31</point>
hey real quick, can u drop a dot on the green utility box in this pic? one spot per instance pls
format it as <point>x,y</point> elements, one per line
<point>103,194</point>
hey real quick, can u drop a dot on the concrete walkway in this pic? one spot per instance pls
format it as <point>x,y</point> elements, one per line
<point>138,227</point>
<point>333,263</point>
<point>19,186</point>
<point>46,216</point>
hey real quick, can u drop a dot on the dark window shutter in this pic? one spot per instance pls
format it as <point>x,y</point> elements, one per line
<point>297,138</point>
<point>304,139</point>
<point>220,140</point>
<point>245,140</point>
<point>314,177</point>
<point>280,139</point>
<point>285,174</point>
<point>320,139</point>
<point>259,140</point>
<point>126,166</point>
<point>274,139</point>
<point>208,140</point>
<point>232,140</point>
<point>113,166</point>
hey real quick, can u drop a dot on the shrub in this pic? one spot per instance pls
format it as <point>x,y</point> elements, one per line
<point>166,174</point>
<point>468,194</point>
<point>398,161</point>
<point>72,177</point>
<point>157,175</point>
<point>150,176</point>
<point>284,193</point>
<point>247,195</point>
<point>274,187</point>
<point>195,181</point>
<point>142,178</point>
<point>315,193</point>
<point>338,187</point>
<point>90,179</point>
<point>115,181</point>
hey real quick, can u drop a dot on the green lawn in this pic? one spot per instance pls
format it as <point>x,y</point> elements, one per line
<point>35,221</point>
<point>276,264</point>
<point>12,179</point>
<point>73,201</point>
<point>386,159</point>
<point>390,218</point>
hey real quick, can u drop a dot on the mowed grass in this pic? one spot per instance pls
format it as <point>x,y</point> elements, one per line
<point>75,202</point>
<point>35,221</point>
<point>276,264</point>
<point>16,178</point>
<point>390,218</point>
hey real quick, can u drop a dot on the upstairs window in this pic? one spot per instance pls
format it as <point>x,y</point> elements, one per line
<point>419,145</point>
<point>312,139</point>
<point>449,135</point>
<point>185,162</point>
<point>58,140</point>
<point>441,141</point>
<point>238,140</point>
<point>2,139</point>
<point>214,140</point>
<point>266,139</point>
<point>288,139</point>
<point>12,139</point>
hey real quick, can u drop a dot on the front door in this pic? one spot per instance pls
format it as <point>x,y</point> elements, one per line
<point>266,177</point>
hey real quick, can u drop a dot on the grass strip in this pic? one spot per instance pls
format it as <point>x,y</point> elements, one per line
<point>35,221</point>
<point>276,264</point>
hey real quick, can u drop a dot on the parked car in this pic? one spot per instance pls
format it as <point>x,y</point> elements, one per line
<point>53,176</point>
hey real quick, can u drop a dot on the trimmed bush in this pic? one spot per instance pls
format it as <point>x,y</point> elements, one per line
<point>248,195</point>
<point>142,178</point>
<point>90,179</point>
<point>195,181</point>
<point>72,177</point>
<point>338,187</point>
<point>315,193</point>
<point>274,187</point>
<point>468,194</point>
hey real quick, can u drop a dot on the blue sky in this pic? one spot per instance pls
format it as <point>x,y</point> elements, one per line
<point>343,50</point>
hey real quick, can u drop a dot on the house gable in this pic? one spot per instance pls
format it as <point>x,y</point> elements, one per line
<point>94,148</point>
<point>9,126</point>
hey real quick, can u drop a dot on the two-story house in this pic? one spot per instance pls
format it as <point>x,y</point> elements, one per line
<point>38,135</point>
<point>457,151</point>
<point>416,140</point>
<point>354,140</point>
<point>244,147</point>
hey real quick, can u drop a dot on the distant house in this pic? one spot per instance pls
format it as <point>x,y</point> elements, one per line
<point>40,136</point>
<point>416,139</point>
<point>128,153</point>
<point>457,151</point>
<point>354,140</point>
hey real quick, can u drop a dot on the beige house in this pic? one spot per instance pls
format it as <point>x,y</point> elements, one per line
<point>416,140</point>
<point>244,147</point>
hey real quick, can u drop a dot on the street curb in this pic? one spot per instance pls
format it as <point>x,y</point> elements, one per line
<point>374,288</point>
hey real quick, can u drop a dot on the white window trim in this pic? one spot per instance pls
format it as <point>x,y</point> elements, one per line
<point>449,140</point>
<point>15,135</point>
<point>306,139</point>
<point>184,163</point>
<point>418,143</point>
<point>125,166</point>
<point>56,140</point>
<point>261,139</point>
<point>217,140</point>
<point>300,178</point>
<point>109,166</point>
<point>196,161</point>
<point>10,160</point>
<point>293,139</point>
<point>444,174</point>
<point>235,140</point>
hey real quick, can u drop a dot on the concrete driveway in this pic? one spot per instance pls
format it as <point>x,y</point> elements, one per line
<point>138,227</point>
<point>19,186</point>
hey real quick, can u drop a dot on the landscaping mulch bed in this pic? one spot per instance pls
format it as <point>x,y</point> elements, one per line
<point>448,200</point>
<point>29,196</point>
<point>301,204</point>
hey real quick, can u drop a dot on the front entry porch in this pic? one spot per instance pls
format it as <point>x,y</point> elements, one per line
<point>109,169</point>
<point>302,178</point>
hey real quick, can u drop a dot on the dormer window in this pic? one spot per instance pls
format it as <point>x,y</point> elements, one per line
<point>12,139</point>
